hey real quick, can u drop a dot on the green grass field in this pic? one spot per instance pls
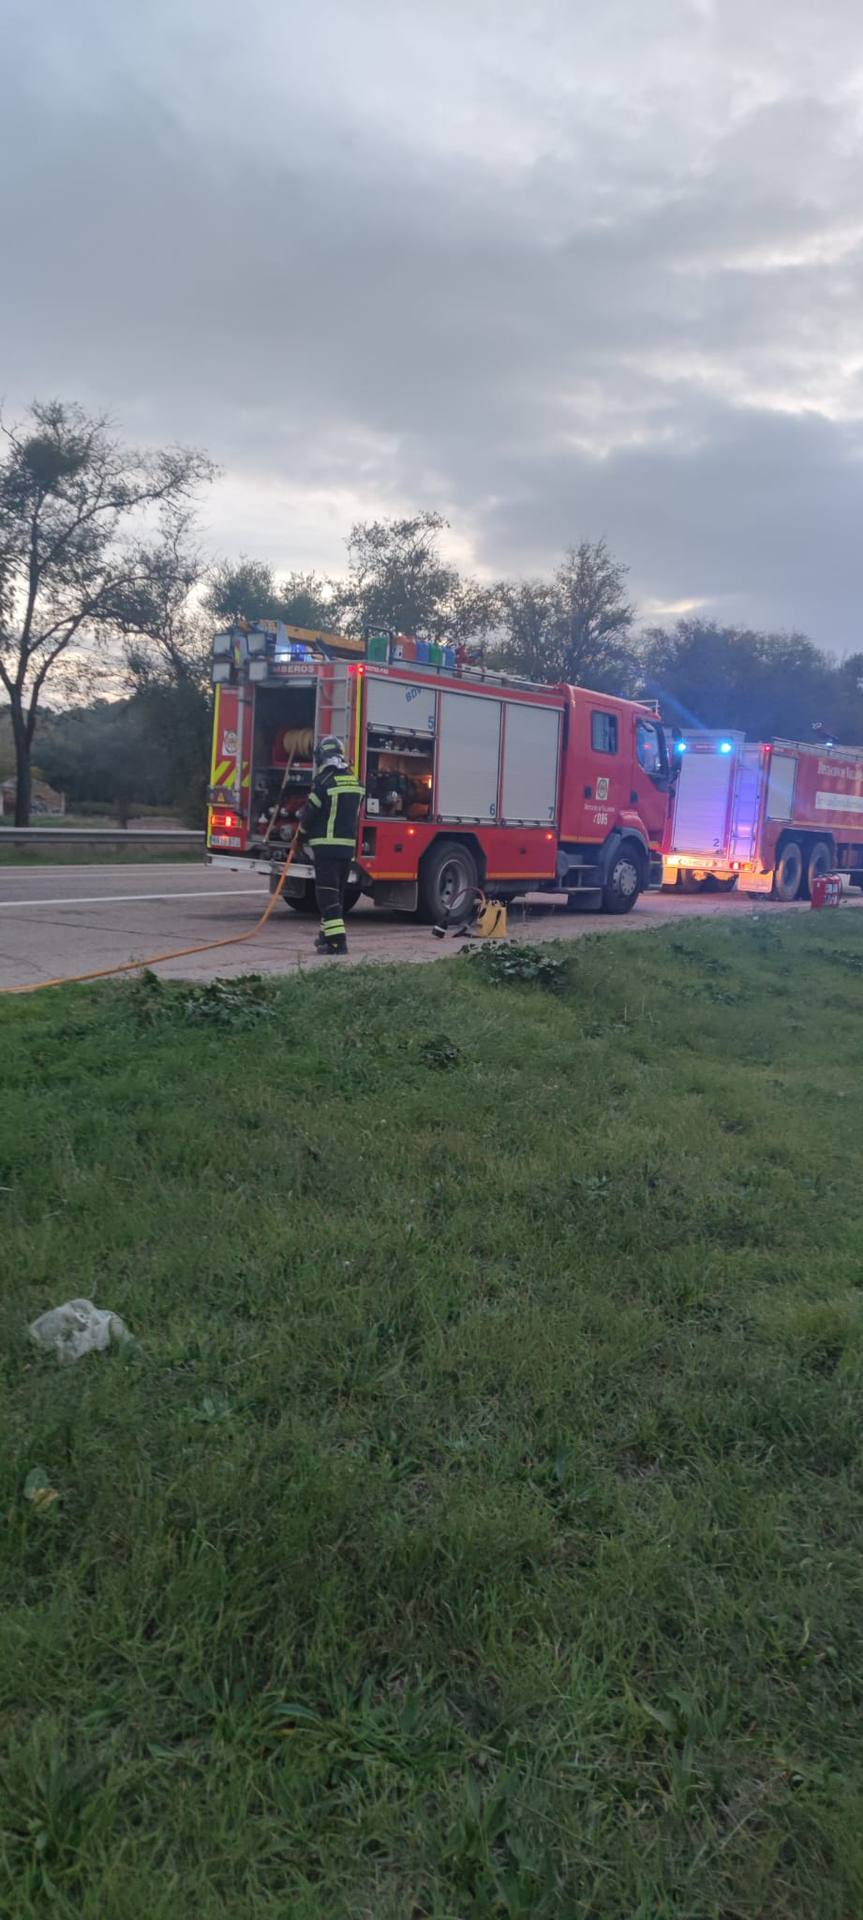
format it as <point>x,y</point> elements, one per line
<point>473,1528</point>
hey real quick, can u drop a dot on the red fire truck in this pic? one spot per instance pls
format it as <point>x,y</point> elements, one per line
<point>472,778</point>
<point>774,815</point>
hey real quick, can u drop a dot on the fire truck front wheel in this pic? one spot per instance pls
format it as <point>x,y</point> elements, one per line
<point>788,876</point>
<point>625,878</point>
<point>449,874</point>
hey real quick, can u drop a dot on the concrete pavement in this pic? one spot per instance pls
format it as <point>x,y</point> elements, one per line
<point>57,922</point>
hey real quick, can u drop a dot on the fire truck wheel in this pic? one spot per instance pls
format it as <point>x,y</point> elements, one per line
<point>448,873</point>
<point>789,872</point>
<point>304,902</point>
<point>820,862</point>
<point>623,885</point>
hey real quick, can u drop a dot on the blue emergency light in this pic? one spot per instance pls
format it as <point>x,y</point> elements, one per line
<point>293,650</point>
<point>725,746</point>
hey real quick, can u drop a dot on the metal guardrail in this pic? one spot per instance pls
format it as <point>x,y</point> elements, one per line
<point>101,836</point>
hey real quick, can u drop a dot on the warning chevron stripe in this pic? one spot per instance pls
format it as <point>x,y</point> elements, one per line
<point>225,773</point>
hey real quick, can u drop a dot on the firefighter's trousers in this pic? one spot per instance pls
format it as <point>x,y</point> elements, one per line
<point>331,879</point>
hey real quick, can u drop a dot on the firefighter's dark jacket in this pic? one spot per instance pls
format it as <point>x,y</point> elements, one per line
<point>330,817</point>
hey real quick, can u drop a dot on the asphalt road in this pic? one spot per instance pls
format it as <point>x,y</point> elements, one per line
<point>61,921</point>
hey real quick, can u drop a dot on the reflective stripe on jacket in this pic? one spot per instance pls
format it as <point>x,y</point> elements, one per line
<point>331,814</point>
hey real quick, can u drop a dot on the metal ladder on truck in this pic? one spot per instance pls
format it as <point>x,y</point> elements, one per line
<point>333,704</point>
<point>747,796</point>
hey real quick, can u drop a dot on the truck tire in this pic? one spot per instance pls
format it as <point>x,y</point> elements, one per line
<point>624,881</point>
<point>306,902</point>
<point>449,872</point>
<point>820,862</point>
<point>788,877</point>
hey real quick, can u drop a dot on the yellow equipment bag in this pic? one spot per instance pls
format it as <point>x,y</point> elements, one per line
<point>490,922</point>
<point>486,919</point>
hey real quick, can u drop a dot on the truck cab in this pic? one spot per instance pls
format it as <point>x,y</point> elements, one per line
<point>614,801</point>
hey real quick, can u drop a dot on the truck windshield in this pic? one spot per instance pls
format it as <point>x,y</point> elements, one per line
<point>650,748</point>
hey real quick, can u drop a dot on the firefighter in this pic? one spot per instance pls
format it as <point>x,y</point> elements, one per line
<point>328,824</point>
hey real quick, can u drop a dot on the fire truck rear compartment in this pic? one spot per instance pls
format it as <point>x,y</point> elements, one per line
<point>280,711</point>
<point>285,723</point>
<point>283,731</point>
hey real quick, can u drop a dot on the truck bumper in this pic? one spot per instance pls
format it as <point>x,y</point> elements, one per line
<point>247,863</point>
<point>703,869</point>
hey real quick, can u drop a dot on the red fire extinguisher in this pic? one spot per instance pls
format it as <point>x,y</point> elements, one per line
<point>826,890</point>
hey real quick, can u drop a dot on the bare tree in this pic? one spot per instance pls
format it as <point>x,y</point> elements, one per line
<point>575,627</point>
<point>163,618</point>
<point>157,607</point>
<point>73,501</point>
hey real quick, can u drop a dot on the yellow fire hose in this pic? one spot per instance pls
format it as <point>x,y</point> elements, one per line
<point>275,810</point>
<point>178,953</point>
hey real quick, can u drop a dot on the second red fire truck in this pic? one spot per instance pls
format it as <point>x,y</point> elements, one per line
<point>773,816</point>
<point>472,778</point>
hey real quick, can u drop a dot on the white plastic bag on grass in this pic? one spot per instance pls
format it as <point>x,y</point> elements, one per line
<point>77,1328</point>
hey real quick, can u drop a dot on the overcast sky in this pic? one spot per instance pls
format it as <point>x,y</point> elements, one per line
<point>560,268</point>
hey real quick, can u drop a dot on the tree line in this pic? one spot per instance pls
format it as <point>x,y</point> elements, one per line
<point>102,577</point>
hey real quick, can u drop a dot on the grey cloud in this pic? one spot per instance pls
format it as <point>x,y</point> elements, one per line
<point>552,277</point>
<point>784,491</point>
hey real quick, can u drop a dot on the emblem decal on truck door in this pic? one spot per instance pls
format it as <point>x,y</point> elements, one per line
<point>602,789</point>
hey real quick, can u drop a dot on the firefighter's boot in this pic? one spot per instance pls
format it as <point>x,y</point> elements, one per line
<point>331,943</point>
